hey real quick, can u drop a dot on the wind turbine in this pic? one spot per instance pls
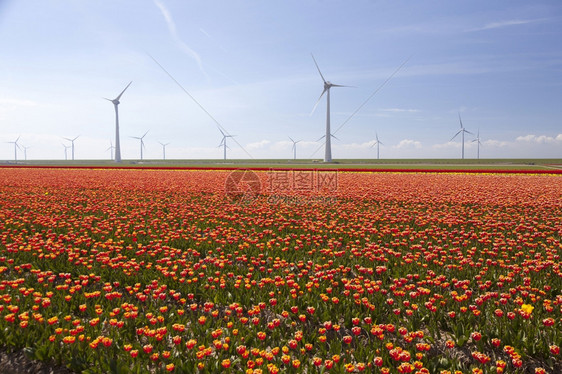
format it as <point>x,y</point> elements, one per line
<point>461,131</point>
<point>111,148</point>
<point>141,143</point>
<point>477,140</point>
<point>328,136</point>
<point>377,143</point>
<point>25,152</point>
<point>294,148</point>
<point>164,149</point>
<point>16,146</point>
<point>65,151</point>
<point>223,141</point>
<point>72,141</point>
<point>117,143</point>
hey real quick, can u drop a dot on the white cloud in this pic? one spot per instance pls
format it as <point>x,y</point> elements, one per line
<point>258,145</point>
<point>354,146</point>
<point>540,139</point>
<point>495,143</point>
<point>408,143</point>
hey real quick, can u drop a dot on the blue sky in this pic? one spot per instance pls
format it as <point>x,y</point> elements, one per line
<point>249,64</point>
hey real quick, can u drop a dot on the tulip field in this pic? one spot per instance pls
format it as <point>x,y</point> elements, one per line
<point>156,271</point>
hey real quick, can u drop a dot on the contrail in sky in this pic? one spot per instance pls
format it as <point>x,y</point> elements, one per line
<point>172,28</point>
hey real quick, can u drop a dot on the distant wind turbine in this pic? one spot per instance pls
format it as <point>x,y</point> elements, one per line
<point>72,141</point>
<point>294,148</point>
<point>65,151</point>
<point>111,148</point>
<point>16,146</point>
<point>461,131</point>
<point>117,143</point>
<point>328,136</point>
<point>377,143</point>
<point>477,140</point>
<point>164,148</point>
<point>25,148</point>
<point>141,138</point>
<point>223,141</point>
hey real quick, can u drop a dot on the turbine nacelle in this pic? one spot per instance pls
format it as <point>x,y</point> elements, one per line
<point>116,100</point>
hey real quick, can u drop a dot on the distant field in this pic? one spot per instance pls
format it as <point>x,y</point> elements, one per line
<point>389,164</point>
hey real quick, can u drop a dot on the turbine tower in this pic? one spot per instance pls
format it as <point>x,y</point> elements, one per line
<point>72,141</point>
<point>65,151</point>
<point>294,148</point>
<point>117,143</point>
<point>141,138</point>
<point>461,131</point>
<point>164,149</point>
<point>328,136</point>
<point>477,140</point>
<point>223,141</point>
<point>25,152</point>
<point>111,148</point>
<point>377,143</point>
<point>16,146</point>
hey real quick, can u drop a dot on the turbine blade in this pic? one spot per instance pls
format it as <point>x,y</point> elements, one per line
<point>456,135</point>
<point>315,63</point>
<point>468,132</point>
<point>291,139</point>
<point>118,97</point>
<point>144,134</point>
<point>222,132</point>
<point>339,85</point>
<point>320,138</point>
<point>318,101</point>
<point>460,120</point>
